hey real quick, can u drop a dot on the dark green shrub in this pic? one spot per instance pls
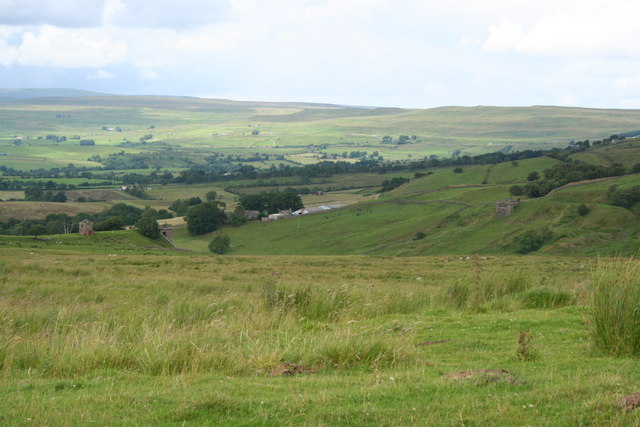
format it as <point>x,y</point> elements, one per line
<point>532,240</point>
<point>220,244</point>
<point>515,190</point>
<point>583,210</point>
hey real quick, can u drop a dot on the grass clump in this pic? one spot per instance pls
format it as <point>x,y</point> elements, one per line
<point>546,297</point>
<point>306,301</point>
<point>485,292</point>
<point>615,316</point>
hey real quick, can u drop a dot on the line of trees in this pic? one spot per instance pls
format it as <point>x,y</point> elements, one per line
<point>271,202</point>
<point>564,173</point>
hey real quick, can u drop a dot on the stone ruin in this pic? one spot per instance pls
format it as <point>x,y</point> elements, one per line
<point>85,227</point>
<point>167,231</point>
<point>504,208</point>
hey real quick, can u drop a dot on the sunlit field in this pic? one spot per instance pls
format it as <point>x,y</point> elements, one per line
<point>123,337</point>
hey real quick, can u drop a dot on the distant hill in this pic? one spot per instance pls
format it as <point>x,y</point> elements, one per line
<point>8,95</point>
<point>188,130</point>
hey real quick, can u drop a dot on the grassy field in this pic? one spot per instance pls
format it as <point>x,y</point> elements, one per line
<point>113,336</point>
<point>195,128</point>
<point>454,218</point>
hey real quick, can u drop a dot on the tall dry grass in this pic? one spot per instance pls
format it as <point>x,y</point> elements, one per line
<point>70,315</point>
<point>615,307</point>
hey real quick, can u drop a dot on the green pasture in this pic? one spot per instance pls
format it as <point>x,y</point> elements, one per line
<point>117,334</point>
<point>510,173</point>
<point>453,220</point>
<point>444,177</point>
<point>213,126</point>
<point>625,152</point>
<point>349,230</point>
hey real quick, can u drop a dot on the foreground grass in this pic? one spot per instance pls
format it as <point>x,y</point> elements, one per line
<point>135,339</point>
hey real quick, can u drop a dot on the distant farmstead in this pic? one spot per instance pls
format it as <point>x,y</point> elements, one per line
<point>252,214</point>
<point>86,227</point>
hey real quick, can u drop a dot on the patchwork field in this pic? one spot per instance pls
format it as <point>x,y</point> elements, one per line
<point>182,131</point>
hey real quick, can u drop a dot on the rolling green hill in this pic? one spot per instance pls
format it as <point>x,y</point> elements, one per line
<point>456,214</point>
<point>186,130</point>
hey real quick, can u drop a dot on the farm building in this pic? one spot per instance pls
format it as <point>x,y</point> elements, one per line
<point>85,227</point>
<point>252,214</point>
<point>280,215</point>
<point>316,209</point>
<point>504,208</point>
<point>167,231</point>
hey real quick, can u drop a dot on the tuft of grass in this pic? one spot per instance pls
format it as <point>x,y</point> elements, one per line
<point>546,297</point>
<point>525,351</point>
<point>307,302</point>
<point>615,315</point>
<point>493,291</point>
<point>357,351</point>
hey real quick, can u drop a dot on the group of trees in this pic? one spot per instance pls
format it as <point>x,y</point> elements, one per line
<point>532,240</point>
<point>271,202</point>
<point>564,173</point>
<point>36,194</point>
<point>201,216</point>
<point>624,197</point>
<point>402,139</point>
<point>390,184</point>
<point>117,217</point>
<point>205,217</point>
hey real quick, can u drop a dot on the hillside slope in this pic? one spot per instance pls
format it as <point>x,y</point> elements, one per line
<point>453,214</point>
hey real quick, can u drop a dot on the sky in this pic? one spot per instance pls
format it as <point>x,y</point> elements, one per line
<point>393,53</point>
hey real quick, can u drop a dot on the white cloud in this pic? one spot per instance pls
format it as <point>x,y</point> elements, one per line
<point>60,13</point>
<point>148,74</point>
<point>629,103</point>
<point>567,101</point>
<point>607,28</point>
<point>101,75</point>
<point>434,89</point>
<point>67,48</point>
<point>374,52</point>
<point>504,37</point>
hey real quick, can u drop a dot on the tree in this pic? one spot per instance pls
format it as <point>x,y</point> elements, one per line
<point>583,210</point>
<point>211,196</point>
<point>532,240</point>
<point>128,213</point>
<point>390,184</point>
<point>37,230</point>
<point>238,217</point>
<point>59,197</point>
<point>533,176</point>
<point>148,227</point>
<point>220,244</point>
<point>112,223</point>
<point>515,190</point>
<point>204,218</point>
<point>419,235</point>
<point>457,170</point>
